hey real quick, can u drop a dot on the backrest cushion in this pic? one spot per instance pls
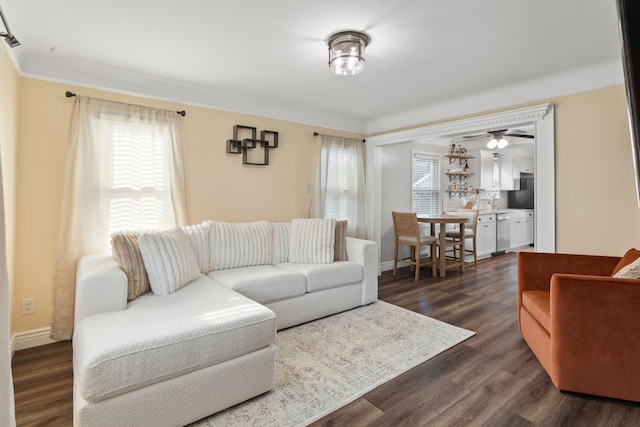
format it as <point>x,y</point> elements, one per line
<point>340,247</point>
<point>124,246</point>
<point>312,240</point>
<point>631,255</point>
<point>169,259</point>
<point>281,238</point>
<point>240,244</point>
<point>199,238</point>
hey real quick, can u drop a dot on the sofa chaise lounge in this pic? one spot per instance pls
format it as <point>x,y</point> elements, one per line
<point>192,347</point>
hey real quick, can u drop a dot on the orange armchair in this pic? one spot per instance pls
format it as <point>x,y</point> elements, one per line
<point>582,324</point>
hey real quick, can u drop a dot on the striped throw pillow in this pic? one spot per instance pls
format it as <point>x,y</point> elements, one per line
<point>240,244</point>
<point>312,240</point>
<point>169,259</point>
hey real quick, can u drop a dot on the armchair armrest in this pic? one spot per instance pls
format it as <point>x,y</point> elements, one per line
<point>594,334</point>
<point>365,253</point>
<point>101,286</point>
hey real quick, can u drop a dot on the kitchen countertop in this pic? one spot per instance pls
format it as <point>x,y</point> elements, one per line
<point>501,210</point>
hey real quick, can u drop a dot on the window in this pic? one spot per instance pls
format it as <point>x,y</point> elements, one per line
<point>425,183</point>
<point>124,171</point>
<point>338,190</point>
<point>134,181</point>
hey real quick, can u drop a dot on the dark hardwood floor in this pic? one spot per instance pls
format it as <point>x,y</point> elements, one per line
<point>491,379</point>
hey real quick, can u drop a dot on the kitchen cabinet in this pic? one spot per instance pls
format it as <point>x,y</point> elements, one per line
<point>524,164</point>
<point>486,235</point>
<point>510,169</point>
<point>521,229</point>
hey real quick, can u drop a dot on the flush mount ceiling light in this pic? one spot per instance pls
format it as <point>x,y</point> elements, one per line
<point>346,52</point>
<point>8,37</point>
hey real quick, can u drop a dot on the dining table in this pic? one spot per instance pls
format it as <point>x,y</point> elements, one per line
<point>443,219</point>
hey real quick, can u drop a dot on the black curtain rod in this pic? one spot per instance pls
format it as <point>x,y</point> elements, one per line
<point>69,94</point>
<point>316,134</point>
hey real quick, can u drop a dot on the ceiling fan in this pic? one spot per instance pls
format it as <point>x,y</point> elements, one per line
<point>498,137</point>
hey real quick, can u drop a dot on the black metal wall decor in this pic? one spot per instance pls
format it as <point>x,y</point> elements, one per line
<point>244,140</point>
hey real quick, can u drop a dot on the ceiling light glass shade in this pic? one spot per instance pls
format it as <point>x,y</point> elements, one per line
<point>492,144</point>
<point>502,143</point>
<point>346,52</point>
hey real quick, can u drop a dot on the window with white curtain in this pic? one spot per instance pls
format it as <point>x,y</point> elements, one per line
<point>338,188</point>
<point>425,183</point>
<point>124,171</point>
<point>135,192</point>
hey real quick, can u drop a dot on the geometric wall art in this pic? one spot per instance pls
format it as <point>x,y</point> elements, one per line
<point>244,141</point>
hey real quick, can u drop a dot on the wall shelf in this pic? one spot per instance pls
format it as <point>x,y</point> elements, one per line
<point>460,193</point>
<point>461,157</point>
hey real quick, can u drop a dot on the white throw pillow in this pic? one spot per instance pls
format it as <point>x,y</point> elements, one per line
<point>630,271</point>
<point>281,239</point>
<point>199,237</point>
<point>241,244</point>
<point>312,240</point>
<point>169,259</point>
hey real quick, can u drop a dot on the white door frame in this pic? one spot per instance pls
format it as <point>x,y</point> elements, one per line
<point>541,116</point>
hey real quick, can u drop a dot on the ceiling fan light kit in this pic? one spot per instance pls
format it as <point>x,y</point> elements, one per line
<point>346,52</point>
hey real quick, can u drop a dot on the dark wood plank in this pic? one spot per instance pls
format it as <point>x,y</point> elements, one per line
<point>491,379</point>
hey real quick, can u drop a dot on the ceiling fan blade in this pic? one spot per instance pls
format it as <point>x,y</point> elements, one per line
<point>519,135</point>
<point>484,135</point>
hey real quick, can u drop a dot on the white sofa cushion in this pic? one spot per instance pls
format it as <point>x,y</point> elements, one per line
<point>262,283</point>
<point>240,244</point>
<point>168,259</point>
<point>199,238</point>
<point>312,240</point>
<point>327,276</point>
<point>157,338</point>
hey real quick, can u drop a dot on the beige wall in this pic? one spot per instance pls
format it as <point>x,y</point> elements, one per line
<point>219,186</point>
<point>594,186</point>
<point>596,207</point>
<point>9,90</point>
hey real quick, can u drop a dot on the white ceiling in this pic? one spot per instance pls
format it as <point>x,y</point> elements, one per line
<point>427,58</point>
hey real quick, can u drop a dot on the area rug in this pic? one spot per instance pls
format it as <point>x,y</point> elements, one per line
<point>323,365</point>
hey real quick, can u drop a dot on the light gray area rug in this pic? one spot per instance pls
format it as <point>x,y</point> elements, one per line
<point>323,365</point>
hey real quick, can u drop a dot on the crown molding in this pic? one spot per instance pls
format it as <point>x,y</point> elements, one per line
<point>458,127</point>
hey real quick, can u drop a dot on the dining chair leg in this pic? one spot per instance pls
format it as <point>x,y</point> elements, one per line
<point>434,259</point>
<point>395,261</point>
<point>417,259</point>
<point>475,253</point>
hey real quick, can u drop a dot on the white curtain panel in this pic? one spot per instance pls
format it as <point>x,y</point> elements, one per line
<point>7,407</point>
<point>339,184</point>
<point>104,139</point>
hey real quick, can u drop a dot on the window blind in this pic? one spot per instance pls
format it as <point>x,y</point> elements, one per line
<point>425,185</point>
<point>134,177</point>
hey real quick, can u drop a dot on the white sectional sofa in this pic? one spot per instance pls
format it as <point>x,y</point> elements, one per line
<point>195,346</point>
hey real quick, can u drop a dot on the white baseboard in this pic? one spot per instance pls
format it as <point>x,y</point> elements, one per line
<point>32,338</point>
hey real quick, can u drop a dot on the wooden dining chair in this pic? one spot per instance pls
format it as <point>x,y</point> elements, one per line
<point>407,232</point>
<point>470,228</point>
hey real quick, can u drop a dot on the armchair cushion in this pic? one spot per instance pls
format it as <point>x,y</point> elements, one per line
<point>631,271</point>
<point>537,303</point>
<point>631,255</point>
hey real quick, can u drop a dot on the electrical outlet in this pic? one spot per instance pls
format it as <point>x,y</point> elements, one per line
<point>28,306</point>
